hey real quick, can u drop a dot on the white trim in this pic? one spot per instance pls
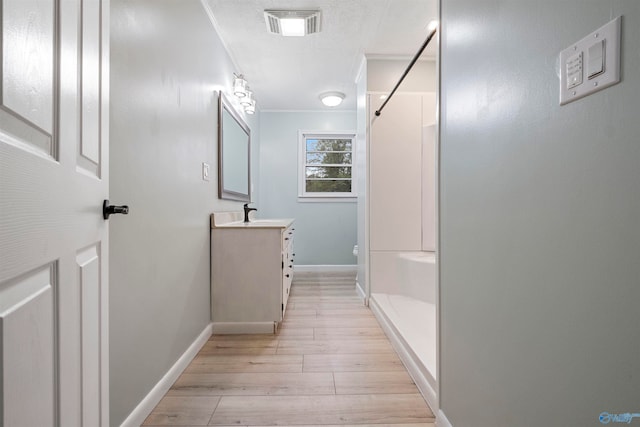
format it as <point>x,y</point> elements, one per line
<point>346,268</point>
<point>404,92</point>
<point>407,357</point>
<point>224,328</point>
<point>361,69</point>
<point>437,214</point>
<point>105,79</point>
<point>362,293</point>
<point>442,420</point>
<point>302,163</point>
<point>216,28</point>
<point>387,57</point>
<point>146,405</point>
<point>323,199</point>
<point>308,111</point>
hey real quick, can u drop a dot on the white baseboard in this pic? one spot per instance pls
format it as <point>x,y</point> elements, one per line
<point>406,356</point>
<point>362,294</point>
<point>347,269</point>
<point>441,420</point>
<point>144,408</point>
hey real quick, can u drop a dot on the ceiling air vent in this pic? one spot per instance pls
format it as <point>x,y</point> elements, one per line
<point>292,22</point>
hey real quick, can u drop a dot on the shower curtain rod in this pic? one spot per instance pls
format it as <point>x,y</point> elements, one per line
<point>413,61</point>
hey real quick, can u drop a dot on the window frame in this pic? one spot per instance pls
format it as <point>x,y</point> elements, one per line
<point>305,196</point>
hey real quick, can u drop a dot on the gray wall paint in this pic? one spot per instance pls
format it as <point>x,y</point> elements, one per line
<point>540,211</point>
<point>325,232</point>
<point>166,62</point>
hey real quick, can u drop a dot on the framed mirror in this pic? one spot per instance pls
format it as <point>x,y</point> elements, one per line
<point>234,153</point>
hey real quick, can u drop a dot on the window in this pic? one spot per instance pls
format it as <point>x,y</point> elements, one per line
<point>326,165</point>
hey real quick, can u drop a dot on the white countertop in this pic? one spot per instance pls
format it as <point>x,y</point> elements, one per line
<point>234,220</point>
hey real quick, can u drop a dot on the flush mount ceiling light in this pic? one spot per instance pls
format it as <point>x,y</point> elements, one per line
<point>292,23</point>
<point>332,99</point>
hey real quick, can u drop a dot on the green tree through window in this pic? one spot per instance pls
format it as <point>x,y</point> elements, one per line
<point>328,164</point>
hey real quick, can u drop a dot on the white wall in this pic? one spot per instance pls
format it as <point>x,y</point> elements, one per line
<point>539,219</point>
<point>166,63</point>
<point>325,232</point>
<point>383,74</point>
<point>362,159</point>
<point>391,207</point>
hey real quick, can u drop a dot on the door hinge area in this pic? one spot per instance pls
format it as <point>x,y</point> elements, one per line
<point>282,265</point>
<point>282,307</point>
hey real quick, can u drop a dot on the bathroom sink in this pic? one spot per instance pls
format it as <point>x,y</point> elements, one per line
<point>234,220</point>
<point>281,223</point>
<point>259,223</point>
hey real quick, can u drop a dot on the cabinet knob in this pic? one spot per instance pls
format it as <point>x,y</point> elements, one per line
<point>286,238</point>
<point>287,275</point>
<point>291,266</point>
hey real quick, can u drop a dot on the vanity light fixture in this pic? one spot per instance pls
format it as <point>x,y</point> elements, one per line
<point>242,91</point>
<point>245,101</point>
<point>239,86</point>
<point>251,109</point>
<point>332,99</point>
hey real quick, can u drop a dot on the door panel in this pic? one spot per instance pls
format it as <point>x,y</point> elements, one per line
<point>53,239</point>
<point>27,366</point>
<point>28,60</point>
<point>90,143</point>
<point>88,261</point>
<point>28,72</point>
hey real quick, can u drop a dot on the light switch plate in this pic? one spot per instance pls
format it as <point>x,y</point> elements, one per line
<point>597,56</point>
<point>205,171</point>
<point>573,86</point>
<point>574,70</point>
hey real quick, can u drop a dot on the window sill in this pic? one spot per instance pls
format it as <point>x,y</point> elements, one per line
<point>316,199</point>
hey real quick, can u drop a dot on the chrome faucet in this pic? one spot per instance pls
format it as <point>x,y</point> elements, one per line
<point>247,209</point>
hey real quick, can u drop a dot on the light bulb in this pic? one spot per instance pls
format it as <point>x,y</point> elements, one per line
<point>240,87</point>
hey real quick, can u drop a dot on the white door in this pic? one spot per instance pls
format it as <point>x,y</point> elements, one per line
<point>53,239</point>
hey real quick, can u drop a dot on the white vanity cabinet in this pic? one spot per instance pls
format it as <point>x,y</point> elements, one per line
<point>251,274</point>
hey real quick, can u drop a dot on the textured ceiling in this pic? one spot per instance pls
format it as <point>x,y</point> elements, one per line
<point>289,73</point>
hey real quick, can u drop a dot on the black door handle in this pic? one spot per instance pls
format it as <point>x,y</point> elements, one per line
<point>108,209</point>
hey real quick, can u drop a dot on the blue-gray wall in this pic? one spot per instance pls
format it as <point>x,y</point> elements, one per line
<point>166,63</point>
<point>539,219</point>
<point>325,232</point>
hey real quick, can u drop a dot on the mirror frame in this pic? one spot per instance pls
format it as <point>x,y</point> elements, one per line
<point>224,192</point>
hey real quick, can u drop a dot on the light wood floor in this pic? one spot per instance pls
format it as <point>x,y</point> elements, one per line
<point>329,364</point>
